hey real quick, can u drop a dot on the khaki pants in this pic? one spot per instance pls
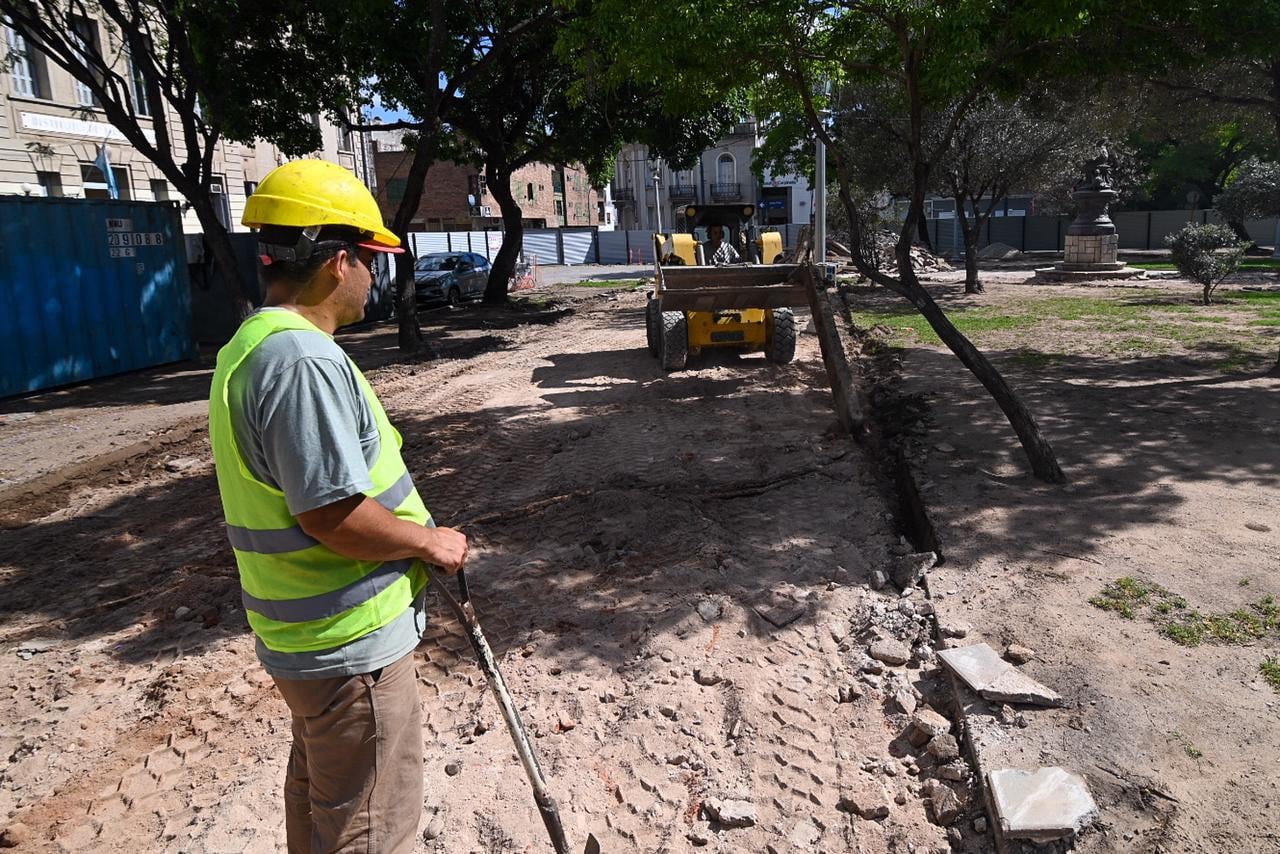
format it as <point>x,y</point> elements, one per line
<point>354,781</point>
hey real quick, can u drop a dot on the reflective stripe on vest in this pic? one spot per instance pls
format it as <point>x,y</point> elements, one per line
<point>294,539</point>
<point>299,595</point>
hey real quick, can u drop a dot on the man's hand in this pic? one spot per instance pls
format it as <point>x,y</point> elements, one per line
<point>445,548</point>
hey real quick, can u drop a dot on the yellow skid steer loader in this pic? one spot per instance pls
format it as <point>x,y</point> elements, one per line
<point>721,301</point>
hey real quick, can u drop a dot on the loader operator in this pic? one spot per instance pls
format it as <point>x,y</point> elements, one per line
<point>716,250</point>
<point>330,535</point>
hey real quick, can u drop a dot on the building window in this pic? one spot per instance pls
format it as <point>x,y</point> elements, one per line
<point>395,189</point>
<point>344,138</point>
<point>160,189</point>
<point>24,65</point>
<point>559,207</point>
<point>86,33</point>
<point>529,191</point>
<point>51,183</point>
<point>141,105</point>
<point>221,205</point>
<point>250,187</point>
<point>726,169</point>
<point>95,183</point>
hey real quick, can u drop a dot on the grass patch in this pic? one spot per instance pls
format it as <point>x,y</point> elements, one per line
<point>1270,670</point>
<point>1188,748</point>
<point>1248,264</point>
<point>1124,326</point>
<point>1122,595</point>
<point>1181,623</point>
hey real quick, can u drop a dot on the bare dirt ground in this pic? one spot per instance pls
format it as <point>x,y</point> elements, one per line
<point>672,570</point>
<point>1174,471</point>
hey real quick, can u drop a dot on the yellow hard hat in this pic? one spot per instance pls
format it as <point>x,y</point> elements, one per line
<point>312,193</point>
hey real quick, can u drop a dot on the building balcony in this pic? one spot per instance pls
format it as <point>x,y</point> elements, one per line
<point>682,192</point>
<point>744,129</point>
<point>623,194</point>
<point>726,192</point>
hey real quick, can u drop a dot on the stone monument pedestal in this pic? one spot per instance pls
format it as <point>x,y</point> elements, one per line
<point>1091,243</point>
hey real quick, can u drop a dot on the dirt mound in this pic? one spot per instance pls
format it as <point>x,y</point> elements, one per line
<point>999,252</point>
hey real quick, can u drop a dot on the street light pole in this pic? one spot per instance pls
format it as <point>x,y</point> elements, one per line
<point>820,204</point>
<point>657,197</point>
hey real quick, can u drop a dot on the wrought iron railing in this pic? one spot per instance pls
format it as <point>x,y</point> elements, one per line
<point>726,192</point>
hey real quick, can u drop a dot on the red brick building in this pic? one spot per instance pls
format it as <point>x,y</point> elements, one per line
<point>549,196</point>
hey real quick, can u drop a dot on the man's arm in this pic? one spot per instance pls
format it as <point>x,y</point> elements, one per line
<point>362,529</point>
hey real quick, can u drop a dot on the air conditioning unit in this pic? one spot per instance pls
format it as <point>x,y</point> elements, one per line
<point>482,210</point>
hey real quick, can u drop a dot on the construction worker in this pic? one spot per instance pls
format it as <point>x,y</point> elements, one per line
<point>330,535</point>
<point>716,250</point>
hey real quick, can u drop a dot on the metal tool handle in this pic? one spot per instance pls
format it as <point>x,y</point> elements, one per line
<point>466,615</point>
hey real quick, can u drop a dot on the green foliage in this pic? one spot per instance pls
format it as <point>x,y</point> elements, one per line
<point>1254,191</point>
<point>1181,623</point>
<point>1270,670</point>
<point>1122,595</point>
<point>1206,254</point>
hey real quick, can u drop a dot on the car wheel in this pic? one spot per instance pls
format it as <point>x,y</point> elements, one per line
<point>455,297</point>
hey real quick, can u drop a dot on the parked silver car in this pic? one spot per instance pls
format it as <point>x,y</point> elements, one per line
<point>450,277</point>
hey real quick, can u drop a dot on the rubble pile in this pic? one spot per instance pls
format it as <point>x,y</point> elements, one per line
<point>922,260</point>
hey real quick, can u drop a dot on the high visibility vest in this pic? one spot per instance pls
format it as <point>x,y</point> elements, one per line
<point>299,595</point>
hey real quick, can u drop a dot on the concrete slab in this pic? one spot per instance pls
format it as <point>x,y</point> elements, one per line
<point>1041,805</point>
<point>977,664</point>
<point>983,670</point>
<point>1013,686</point>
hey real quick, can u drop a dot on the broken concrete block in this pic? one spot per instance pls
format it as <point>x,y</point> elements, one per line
<point>866,799</point>
<point>931,723</point>
<point>907,570</point>
<point>890,651</point>
<point>944,748</point>
<point>983,670</point>
<point>730,813</point>
<point>1041,805</point>
<point>1019,654</point>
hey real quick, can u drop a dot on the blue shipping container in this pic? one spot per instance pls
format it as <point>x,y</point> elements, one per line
<point>89,288</point>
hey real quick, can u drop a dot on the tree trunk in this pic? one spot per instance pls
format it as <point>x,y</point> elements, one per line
<point>1044,464</point>
<point>224,264</point>
<point>972,232</point>
<point>410,335</point>
<point>1241,232</point>
<point>504,263</point>
<point>923,231</point>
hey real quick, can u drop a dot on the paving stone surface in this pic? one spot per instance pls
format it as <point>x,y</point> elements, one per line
<point>1041,805</point>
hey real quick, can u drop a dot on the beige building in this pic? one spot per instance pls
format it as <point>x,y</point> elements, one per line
<point>51,134</point>
<point>722,175</point>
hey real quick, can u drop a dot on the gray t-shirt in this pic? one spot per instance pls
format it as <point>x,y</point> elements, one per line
<point>303,426</point>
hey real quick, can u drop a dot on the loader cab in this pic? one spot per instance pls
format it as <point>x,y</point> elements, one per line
<point>684,247</point>
<point>737,222</point>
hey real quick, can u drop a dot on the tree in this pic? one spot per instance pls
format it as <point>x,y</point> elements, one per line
<point>928,55</point>
<point>1205,254</point>
<point>1252,193</point>
<point>1002,146</point>
<point>530,109</point>
<point>156,69</point>
<point>420,57</point>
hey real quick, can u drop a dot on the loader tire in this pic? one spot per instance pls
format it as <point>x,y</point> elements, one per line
<point>653,326</point>
<point>781,347</point>
<point>675,340</point>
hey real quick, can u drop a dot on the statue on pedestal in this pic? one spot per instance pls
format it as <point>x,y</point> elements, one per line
<point>1097,170</point>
